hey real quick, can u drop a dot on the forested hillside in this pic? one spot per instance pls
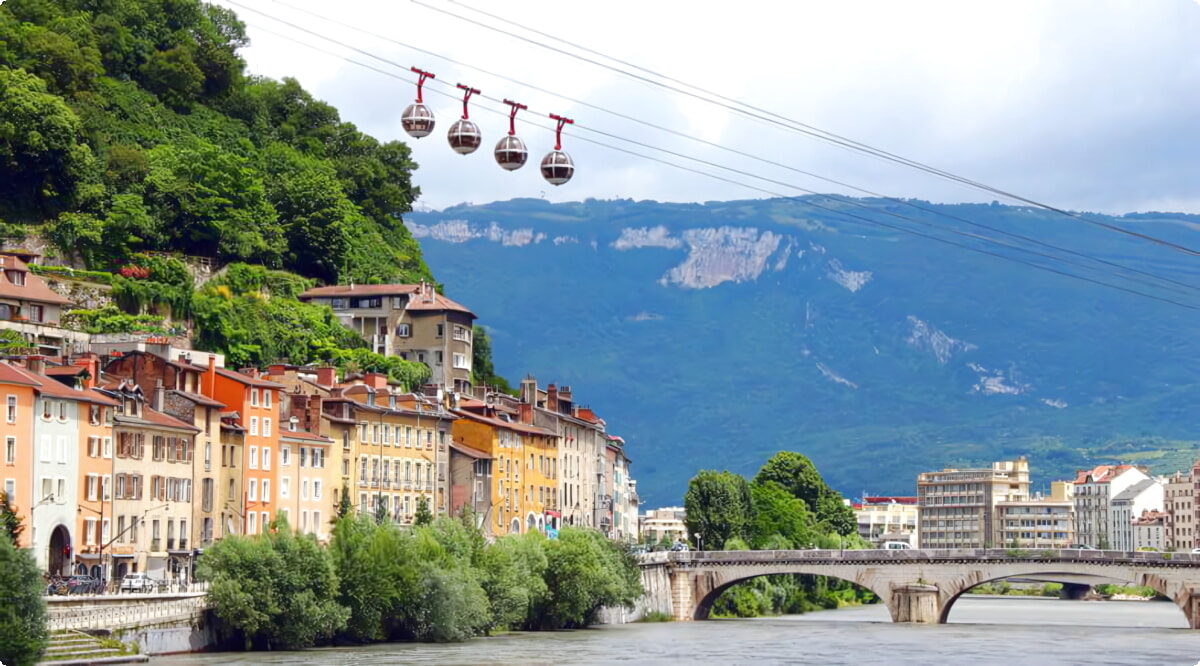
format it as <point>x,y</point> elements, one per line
<point>131,125</point>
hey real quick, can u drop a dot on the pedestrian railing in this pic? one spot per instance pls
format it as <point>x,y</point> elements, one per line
<point>112,612</point>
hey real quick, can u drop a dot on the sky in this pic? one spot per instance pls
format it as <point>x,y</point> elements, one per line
<point>1091,105</point>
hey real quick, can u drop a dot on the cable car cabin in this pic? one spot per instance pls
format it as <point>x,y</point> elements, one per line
<point>417,120</point>
<point>464,137</point>
<point>557,167</point>
<point>511,153</point>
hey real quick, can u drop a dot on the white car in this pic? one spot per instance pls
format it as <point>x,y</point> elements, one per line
<point>140,582</point>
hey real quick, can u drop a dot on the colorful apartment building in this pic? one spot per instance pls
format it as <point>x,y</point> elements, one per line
<point>19,394</point>
<point>305,481</point>
<point>412,321</point>
<point>253,403</point>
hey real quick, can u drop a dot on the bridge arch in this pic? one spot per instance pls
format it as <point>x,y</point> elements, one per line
<point>711,585</point>
<point>1158,584</point>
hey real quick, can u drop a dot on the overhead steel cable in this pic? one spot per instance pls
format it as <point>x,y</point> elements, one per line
<point>802,200</point>
<point>846,200</point>
<point>777,119</point>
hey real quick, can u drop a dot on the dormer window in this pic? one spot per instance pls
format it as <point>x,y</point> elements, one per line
<point>15,277</point>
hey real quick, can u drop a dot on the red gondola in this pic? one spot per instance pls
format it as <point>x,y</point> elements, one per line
<point>557,167</point>
<point>417,119</point>
<point>510,151</point>
<point>464,135</point>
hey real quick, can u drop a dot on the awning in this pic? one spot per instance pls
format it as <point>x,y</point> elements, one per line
<point>115,555</point>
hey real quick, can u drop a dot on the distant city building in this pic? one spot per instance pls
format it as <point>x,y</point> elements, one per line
<point>1039,522</point>
<point>957,507</point>
<point>1179,505</point>
<point>1149,530</point>
<point>1094,490</point>
<point>1145,495</point>
<point>887,519</point>
<point>664,525</point>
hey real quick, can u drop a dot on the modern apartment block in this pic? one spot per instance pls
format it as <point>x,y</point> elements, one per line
<point>664,526</point>
<point>412,321</point>
<point>887,519</point>
<point>1127,506</point>
<point>957,507</point>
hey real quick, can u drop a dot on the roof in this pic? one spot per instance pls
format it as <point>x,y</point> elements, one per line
<point>10,375</point>
<point>511,425</point>
<point>248,380</point>
<point>302,435</point>
<point>197,398</point>
<point>470,451</point>
<point>1131,493</point>
<point>57,389</point>
<point>155,417</point>
<point>34,289</point>
<point>64,370</point>
<point>1101,473</point>
<point>436,302</point>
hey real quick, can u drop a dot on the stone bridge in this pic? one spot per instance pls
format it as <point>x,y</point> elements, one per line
<point>915,585</point>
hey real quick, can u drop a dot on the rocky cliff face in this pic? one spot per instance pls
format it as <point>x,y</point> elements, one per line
<point>713,335</point>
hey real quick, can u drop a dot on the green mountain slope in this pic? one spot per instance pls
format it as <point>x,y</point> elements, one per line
<point>131,125</point>
<point>713,335</point>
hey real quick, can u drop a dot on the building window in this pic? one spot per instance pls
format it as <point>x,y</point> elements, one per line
<point>252,523</point>
<point>46,410</point>
<point>254,457</point>
<point>108,447</point>
<point>266,490</point>
<point>441,330</point>
<point>461,362</point>
<point>403,330</point>
<point>37,313</point>
<point>285,456</point>
<point>304,489</point>
<point>266,457</point>
<point>252,490</point>
<point>254,425</point>
<point>438,357</point>
<point>16,277</point>
<point>285,487</point>
<point>266,430</point>
<point>254,397</point>
<point>266,395</point>
<point>316,490</point>
<point>10,450</point>
<point>10,414</point>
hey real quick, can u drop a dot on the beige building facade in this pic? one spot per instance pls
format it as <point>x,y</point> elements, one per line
<point>957,507</point>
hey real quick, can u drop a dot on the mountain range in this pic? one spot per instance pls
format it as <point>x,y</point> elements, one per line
<point>880,337</point>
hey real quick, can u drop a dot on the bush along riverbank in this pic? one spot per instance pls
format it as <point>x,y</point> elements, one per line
<point>438,581</point>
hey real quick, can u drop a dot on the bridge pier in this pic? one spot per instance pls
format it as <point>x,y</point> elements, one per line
<point>915,602</point>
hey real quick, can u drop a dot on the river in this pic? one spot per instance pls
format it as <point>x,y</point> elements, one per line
<point>1004,631</point>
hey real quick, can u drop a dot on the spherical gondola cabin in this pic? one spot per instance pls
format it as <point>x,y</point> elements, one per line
<point>464,137</point>
<point>511,153</point>
<point>417,120</point>
<point>557,167</point>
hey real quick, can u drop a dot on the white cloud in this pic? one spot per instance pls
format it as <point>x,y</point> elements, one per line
<point>1080,103</point>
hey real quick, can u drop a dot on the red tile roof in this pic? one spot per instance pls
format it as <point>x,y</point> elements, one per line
<point>158,418</point>
<point>64,370</point>
<point>198,399</point>
<point>470,451</point>
<point>47,386</point>
<point>416,302</point>
<point>511,425</point>
<point>248,380</point>
<point>1101,474</point>
<point>34,289</point>
<point>9,374</point>
<point>300,434</point>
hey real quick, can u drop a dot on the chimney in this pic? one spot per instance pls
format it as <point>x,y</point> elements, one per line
<point>276,370</point>
<point>312,421</point>
<point>525,413</point>
<point>158,395</point>
<point>210,377</point>
<point>552,398</point>
<point>327,376</point>
<point>90,362</point>
<point>376,380</point>
<point>529,390</point>
<point>35,364</point>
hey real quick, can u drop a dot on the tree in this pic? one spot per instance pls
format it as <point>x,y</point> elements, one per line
<point>780,515</point>
<point>276,590</point>
<point>423,515</point>
<point>10,520</point>
<point>797,474</point>
<point>719,507</point>
<point>584,572</point>
<point>344,506</point>
<point>482,369</point>
<point>23,632</point>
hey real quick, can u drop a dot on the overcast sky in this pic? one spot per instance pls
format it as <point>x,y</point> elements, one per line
<point>1088,104</point>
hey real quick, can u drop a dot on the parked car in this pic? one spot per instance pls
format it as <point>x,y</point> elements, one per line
<point>83,584</point>
<point>141,582</point>
<point>896,545</point>
<point>680,547</point>
<point>1079,546</point>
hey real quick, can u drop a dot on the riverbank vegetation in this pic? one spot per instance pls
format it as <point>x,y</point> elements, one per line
<point>436,582</point>
<point>23,632</point>
<point>787,505</point>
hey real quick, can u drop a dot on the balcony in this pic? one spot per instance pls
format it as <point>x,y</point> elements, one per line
<point>362,483</point>
<point>408,485</point>
<point>428,487</point>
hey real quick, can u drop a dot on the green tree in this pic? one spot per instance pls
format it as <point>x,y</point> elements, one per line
<point>45,167</point>
<point>797,474</point>
<point>780,515</point>
<point>423,515</point>
<point>275,590</point>
<point>584,572</point>
<point>482,369</point>
<point>719,507</point>
<point>10,520</point>
<point>344,507</point>
<point>23,632</point>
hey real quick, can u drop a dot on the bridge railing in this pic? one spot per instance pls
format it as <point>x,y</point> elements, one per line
<point>921,555</point>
